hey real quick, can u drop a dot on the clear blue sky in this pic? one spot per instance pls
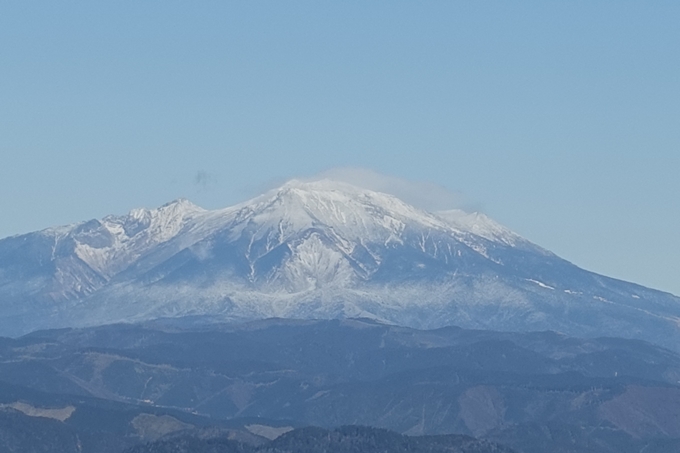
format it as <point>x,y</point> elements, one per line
<point>561,120</point>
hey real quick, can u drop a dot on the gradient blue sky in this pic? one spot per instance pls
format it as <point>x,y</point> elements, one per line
<point>561,120</point>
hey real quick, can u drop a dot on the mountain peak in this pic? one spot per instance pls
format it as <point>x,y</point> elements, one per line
<point>481,225</point>
<point>315,249</point>
<point>323,188</point>
<point>352,212</point>
<point>180,205</point>
<point>164,220</point>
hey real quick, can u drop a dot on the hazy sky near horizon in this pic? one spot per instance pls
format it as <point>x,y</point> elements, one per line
<point>560,120</point>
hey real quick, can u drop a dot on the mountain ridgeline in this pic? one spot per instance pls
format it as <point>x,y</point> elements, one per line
<point>105,389</point>
<point>320,250</point>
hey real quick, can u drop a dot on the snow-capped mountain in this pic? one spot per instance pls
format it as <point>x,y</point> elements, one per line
<point>320,249</point>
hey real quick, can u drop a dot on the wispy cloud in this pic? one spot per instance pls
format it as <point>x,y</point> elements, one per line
<point>425,195</point>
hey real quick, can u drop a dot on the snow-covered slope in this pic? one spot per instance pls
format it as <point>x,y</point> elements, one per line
<point>318,249</point>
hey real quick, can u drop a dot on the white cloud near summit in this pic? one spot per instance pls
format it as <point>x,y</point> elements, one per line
<point>428,196</point>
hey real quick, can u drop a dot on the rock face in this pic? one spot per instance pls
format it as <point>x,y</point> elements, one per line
<point>315,250</point>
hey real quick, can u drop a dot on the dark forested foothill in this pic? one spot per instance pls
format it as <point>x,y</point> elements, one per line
<point>347,439</point>
<point>104,389</point>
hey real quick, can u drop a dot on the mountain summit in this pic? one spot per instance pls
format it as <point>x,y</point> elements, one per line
<point>320,249</point>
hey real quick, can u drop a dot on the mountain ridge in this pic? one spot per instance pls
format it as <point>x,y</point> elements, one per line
<point>320,249</point>
<point>534,392</point>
